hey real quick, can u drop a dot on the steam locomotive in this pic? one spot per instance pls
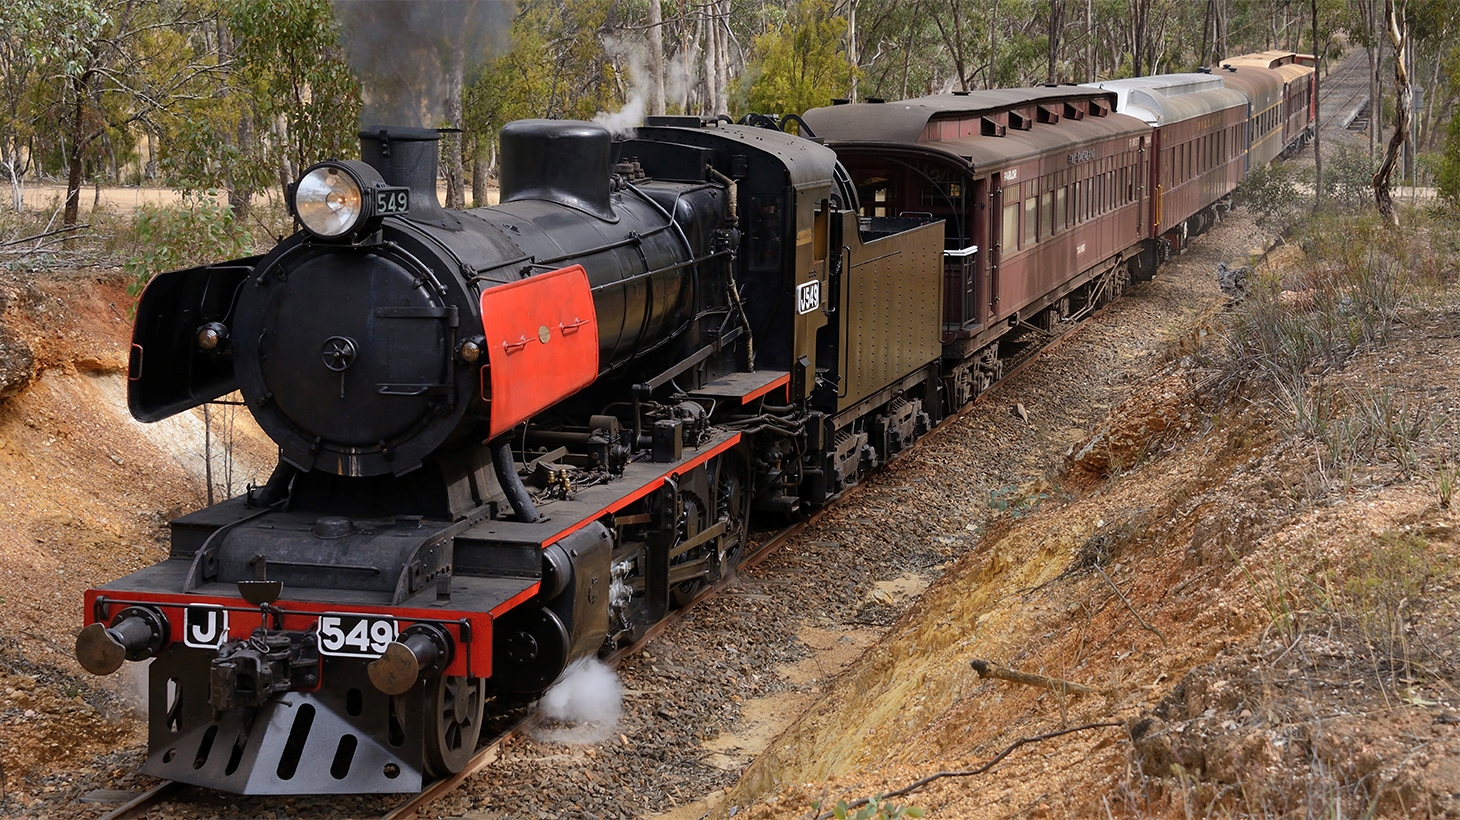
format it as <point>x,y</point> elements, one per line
<point>513,437</point>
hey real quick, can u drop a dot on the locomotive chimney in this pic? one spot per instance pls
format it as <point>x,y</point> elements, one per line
<point>562,161</point>
<point>407,157</point>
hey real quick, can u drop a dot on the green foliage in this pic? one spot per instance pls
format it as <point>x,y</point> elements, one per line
<point>199,231</point>
<point>556,66</point>
<point>800,64</point>
<point>1348,177</point>
<point>1447,178</point>
<point>871,808</point>
<point>1273,194</point>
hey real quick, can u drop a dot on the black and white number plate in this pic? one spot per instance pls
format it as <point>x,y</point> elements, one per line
<point>355,636</point>
<point>808,296</point>
<point>204,626</point>
<point>392,200</point>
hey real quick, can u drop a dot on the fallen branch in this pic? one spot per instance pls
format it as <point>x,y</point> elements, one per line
<point>918,784</point>
<point>44,235</point>
<point>993,670</point>
<point>1153,630</point>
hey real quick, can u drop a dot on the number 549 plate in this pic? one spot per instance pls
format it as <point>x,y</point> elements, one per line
<point>355,636</point>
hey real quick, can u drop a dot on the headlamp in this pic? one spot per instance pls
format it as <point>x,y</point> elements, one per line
<point>344,199</point>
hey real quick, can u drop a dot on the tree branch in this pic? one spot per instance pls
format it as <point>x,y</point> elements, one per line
<point>1128,606</point>
<point>1058,685</point>
<point>918,784</point>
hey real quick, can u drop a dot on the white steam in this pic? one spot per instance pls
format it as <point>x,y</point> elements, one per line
<point>632,114</point>
<point>680,79</point>
<point>585,705</point>
<point>134,685</point>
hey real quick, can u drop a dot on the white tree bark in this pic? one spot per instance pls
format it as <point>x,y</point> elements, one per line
<point>656,59</point>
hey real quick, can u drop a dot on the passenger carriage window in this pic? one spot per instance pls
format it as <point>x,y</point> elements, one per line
<point>1031,220</point>
<point>1076,205</point>
<point>1061,212</point>
<point>1046,214</point>
<point>765,233</point>
<point>1011,227</point>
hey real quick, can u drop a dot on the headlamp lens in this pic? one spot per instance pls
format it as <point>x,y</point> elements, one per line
<point>328,201</point>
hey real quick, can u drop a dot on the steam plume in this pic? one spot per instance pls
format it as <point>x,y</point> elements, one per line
<point>412,55</point>
<point>637,62</point>
<point>586,704</point>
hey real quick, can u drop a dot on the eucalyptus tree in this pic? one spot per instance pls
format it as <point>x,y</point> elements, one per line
<point>801,64</point>
<point>21,23</point>
<point>108,65</point>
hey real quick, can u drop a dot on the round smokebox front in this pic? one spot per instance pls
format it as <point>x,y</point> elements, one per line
<point>344,356</point>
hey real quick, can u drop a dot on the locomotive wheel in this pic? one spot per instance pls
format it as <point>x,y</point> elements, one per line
<point>730,504</point>
<point>453,722</point>
<point>695,515</point>
<point>685,591</point>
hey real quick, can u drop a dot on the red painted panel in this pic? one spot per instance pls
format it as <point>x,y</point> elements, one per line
<point>757,393</point>
<point>542,344</point>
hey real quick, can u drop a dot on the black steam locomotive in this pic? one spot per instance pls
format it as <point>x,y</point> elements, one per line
<point>509,437</point>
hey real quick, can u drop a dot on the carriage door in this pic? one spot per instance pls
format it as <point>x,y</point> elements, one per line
<point>980,217</point>
<point>1143,172</point>
<point>1004,231</point>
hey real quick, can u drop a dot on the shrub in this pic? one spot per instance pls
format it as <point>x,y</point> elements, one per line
<point>1274,195</point>
<point>199,231</point>
<point>1348,177</point>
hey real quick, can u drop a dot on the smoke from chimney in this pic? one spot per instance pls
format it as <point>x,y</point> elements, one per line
<point>411,55</point>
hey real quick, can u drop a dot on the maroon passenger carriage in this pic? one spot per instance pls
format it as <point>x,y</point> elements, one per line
<point>1042,193</point>
<point>1198,154</point>
<point>1282,91</point>
<point>1298,80</point>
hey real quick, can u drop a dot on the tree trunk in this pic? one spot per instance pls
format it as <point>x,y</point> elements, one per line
<point>149,171</point>
<point>656,63</point>
<point>852,56</point>
<point>1222,31</point>
<point>1092,69</point>
<point>988,77</point>
<point>1056,27</point>
<point>711,103</point>
<point>722,56</point>
<point>1376,90</point>
<point>75,154</point>
<point>478,181</point>
<point>1207,29</point>
<point>455,170</point>
<point>1398,37</point>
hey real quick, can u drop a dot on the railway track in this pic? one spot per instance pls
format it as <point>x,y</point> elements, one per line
<point>489,750</point>
<point>1344,94</point>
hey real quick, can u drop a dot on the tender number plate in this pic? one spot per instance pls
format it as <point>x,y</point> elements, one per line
<point>808,296</point>
<point>392,200</point>
<point>355,636</point>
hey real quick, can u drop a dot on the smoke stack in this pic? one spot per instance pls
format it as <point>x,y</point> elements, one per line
<point>408,157</point>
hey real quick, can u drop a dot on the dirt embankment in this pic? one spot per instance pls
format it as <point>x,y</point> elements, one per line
<point>87,495</point>
<point>1261,596</point>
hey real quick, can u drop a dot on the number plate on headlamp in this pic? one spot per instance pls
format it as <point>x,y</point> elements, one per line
<point>392,200</point>
<point>355,636</point>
